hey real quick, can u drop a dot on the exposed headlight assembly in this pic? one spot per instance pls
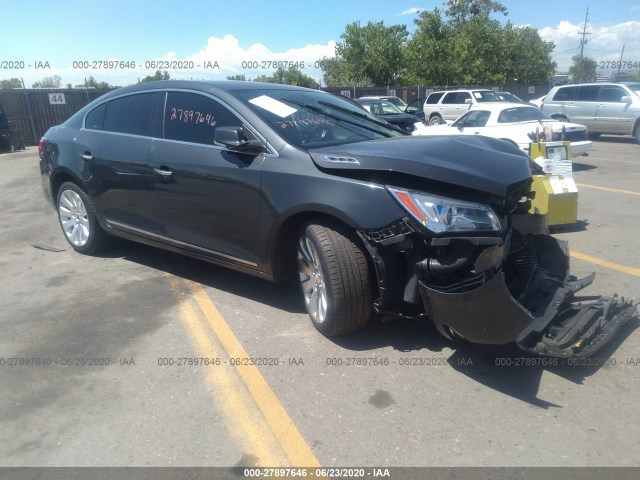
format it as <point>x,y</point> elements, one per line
<point>447,215</point>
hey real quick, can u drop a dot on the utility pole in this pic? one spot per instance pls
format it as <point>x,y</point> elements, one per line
<point>621,55</point>
<point>583,42</point>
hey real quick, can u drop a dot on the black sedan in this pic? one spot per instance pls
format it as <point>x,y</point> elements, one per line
<point>285,182</point>
<point>391,113</point>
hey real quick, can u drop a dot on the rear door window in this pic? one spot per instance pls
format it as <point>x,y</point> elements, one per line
<point>138,114</point>
<point>193,118</point>
<point>588,93</point>
<point>450,98</point>
<point>95,118</point>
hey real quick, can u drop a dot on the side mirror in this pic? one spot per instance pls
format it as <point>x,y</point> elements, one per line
<point>236,139</point>
<point>468,101</point>
<point>626,99</point>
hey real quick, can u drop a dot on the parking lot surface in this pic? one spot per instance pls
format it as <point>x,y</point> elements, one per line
<point>140,357</point>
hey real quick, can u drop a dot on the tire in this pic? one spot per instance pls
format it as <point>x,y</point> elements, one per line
<point>636,133</point>
<point>435,120</point>
<point>335,278</point>
<point>78,221</point>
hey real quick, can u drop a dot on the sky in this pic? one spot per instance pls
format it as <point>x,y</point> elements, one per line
<point>41,38</point>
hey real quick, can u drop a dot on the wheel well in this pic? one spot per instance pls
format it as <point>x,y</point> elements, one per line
<point>435,114</point>
<point>284,251</point>
<point>636,127</point>
<point>58,180</point>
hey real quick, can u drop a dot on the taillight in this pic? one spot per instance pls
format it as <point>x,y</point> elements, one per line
<point>41,145</point>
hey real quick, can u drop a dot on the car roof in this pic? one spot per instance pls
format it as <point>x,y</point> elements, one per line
<point>214,87</point>
<point>499,106</point>
<point>463,90</point>
<point>376,97</point>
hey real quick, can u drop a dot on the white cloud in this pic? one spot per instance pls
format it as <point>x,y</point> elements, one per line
<point>603,44</point>
<point>224,56</point>
<point>411,11</point>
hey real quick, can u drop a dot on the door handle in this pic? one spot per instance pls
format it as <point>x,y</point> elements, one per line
<point>87,156</point>
<point>163,172</point>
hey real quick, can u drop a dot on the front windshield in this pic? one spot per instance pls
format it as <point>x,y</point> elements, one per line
<point>523,114</point>
<point>634,87</point>
<point>487,96</point>
<point>308,119</point>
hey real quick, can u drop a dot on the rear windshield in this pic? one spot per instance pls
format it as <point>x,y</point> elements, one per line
<point>522,114</point>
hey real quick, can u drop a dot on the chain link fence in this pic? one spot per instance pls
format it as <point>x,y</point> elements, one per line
<point>31,112</point>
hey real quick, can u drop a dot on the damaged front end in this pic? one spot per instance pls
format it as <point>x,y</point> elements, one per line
<point>489,275</point>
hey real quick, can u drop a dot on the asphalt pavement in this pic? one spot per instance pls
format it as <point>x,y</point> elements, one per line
<point>140,357</point>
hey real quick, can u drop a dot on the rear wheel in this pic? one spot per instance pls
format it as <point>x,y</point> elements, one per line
<point>335,278</point>
<point>78,220</point>
<point>436,120</point>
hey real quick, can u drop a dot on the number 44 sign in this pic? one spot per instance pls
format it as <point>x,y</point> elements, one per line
<point>57,99</point>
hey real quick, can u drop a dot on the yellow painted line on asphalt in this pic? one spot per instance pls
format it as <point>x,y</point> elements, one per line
<point>604,263</point>
<point>607,189</point>
<point>245,423</point>
<point>285,431</point>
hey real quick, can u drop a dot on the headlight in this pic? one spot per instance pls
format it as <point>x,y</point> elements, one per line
<point>447,215</point>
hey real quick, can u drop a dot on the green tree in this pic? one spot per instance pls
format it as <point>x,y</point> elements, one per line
<point>469,47</point>
<point>11,83</point>
<point>336,73</point>
<point>156,76</point>
<point>48,82</point>
<point>465,10</point>
<point>583,69</point>
<point>290,76</point>
<point>428,51</point>
<point>240,77</point>
<point>374,52</point>
<point>91,82</point>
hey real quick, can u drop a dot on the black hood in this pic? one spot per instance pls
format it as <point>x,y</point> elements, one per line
<point>480,163</point>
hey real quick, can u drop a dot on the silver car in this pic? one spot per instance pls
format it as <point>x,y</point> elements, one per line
<point>612,108</point>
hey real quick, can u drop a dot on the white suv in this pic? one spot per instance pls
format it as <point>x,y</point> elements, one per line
<point>446,106</point>
<point>612,108</point>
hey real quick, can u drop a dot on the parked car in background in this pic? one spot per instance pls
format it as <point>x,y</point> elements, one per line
<point>413,108</point>
<point>446,106</point>
<point>515,122</point>
<point>509,97</point>
<point>611,108</point>
<point>284,182</point>
<point>538,101</point>
<point>391,113</point>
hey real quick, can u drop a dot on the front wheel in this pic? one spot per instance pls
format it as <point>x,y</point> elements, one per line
<point>78,219</point>
<point>335,278</point>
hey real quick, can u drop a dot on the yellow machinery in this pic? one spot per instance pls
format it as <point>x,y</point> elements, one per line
<point>556,191</point>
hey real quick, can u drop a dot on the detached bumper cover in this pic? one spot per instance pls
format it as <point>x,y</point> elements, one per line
<point>529,302</point>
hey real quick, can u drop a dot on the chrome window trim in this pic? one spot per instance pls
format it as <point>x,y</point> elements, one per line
<point>271,150</point>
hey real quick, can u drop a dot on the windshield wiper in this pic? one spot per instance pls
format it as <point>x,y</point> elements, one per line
<point>342,119</point>
<point>358,114</point>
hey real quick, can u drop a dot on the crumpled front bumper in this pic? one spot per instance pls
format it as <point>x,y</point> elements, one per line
<point>529,302</point>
